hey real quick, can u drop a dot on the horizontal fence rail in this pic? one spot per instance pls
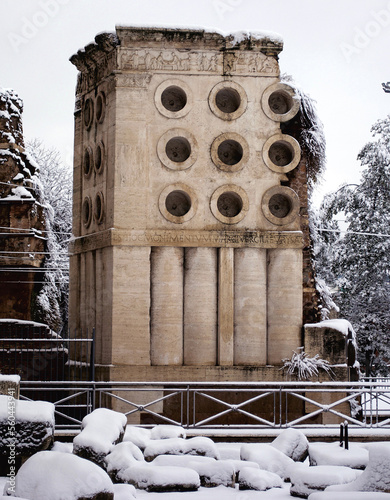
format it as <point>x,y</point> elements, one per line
<point>220,405</point>
<point>35,352</point>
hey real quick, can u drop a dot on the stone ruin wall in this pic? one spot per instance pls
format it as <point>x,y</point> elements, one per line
<point>188,240</point>
<point>21,216</point>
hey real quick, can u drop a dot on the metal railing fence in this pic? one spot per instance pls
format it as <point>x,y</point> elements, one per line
<point>221,405</point>
<point>35,352</point>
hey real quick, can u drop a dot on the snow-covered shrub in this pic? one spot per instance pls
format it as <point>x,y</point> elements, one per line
<point>123,456</point>
<point>293,443</point>
<point>167,432</point>
<point>304,367</point>
<point>160,479</point>
<point>306,480</point>
<point>177,446</point>
<point>51,475</point>
<point>376,476</point>
<point>260,480</point>
<point>267,457</point>
<point>137,435</point>
<point>356,457</point>
<point>101,431</point>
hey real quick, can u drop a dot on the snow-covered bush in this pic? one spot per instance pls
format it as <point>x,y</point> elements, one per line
<point>304,367</point>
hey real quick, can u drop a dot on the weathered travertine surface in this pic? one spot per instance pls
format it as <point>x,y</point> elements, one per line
<point>187,253</point>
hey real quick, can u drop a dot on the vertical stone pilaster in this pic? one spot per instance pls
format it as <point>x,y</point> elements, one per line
<point>225,306</point>
<point>200,306</point>
<point>167,306</point>
<point>284,303</point>
<point>250,309</point>
<point>131,306</point>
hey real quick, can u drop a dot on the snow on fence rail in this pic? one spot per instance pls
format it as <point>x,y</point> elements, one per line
<point>220,405</point>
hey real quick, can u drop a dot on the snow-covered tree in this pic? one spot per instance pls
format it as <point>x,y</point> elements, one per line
<point>55,184</point>
<point>359,259</point>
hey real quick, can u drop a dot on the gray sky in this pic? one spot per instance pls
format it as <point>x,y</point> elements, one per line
<point>338,51</point>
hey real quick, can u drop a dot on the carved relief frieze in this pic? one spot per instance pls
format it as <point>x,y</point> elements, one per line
<point>155,60</point>
<point>137,81</point>
<point>238,62</point>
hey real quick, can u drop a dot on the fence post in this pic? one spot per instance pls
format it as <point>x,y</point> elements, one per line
<point>92,368</point>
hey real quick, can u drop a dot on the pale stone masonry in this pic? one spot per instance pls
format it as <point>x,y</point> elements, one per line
<point>187,249</point>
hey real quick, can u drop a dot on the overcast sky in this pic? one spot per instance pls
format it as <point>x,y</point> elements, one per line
<point>338,51</point>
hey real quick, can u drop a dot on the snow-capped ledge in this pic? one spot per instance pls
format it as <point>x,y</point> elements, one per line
<point>341,325</point>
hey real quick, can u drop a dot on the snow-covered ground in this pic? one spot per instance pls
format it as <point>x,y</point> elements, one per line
<point>122,463</point>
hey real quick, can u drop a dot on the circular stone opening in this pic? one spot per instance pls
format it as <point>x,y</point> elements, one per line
<point>280,102</point>
<point>87,162</point>
<point>98,208</point>
<point>178,149</point>
<point>230,152</point>
<point>174,98</point>
<point>279,205</point>
<point>88,112</point>
<point>178,203</point>
<point>86,211</point>
<point>100,103</point>
<point>229,204</point>
<point>228,100</point>
<point>281,153</point>
<point>99,158</point>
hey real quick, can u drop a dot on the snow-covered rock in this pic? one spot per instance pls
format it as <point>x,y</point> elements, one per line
<point>177,446</point>
<point>345,495</point>
<point>33,428</point>
<point>211,472</point>
<point>306,480</point>
<point>167,432</point>
<point>124,492</point>
<point>333,454</point>
<point>51,475</point>
<point>62,447</point>
<point>238,465</point>
<point>267,457</point>
<point>137,435</point>
<point>256,479</point>
<point>376,476</point>
<point>293,443</point>
<point>158,478</point>
<point>101,431</point>
<point>123,456</point>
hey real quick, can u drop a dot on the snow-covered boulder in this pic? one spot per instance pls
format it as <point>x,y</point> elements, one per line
<point>293,443</point>
<point>256,479</point>
<point>345,495</point>
<point>333,454</point>
<point>267,457</point>
<point>167,432</point>
<point>137,435</point>
<point>123,456</point>
<point>62,447</point>
<point>51,475</point>
<point>124,492</point>
<point>177,446</point>
<point>33,428</point>
<point>161,479</point>
<point>238,465</point>
<point>306,480</point>
<point>211,472</point>
<point>101,431</point>
<point>376,476</point>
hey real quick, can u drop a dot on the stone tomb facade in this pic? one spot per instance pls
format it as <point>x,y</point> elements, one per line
<point>188,245</point>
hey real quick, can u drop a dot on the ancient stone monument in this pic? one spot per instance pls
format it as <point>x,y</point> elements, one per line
<point>22,220</point>
<point>189,235</point>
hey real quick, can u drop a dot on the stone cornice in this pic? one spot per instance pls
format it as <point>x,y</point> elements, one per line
<point>169,50</point>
